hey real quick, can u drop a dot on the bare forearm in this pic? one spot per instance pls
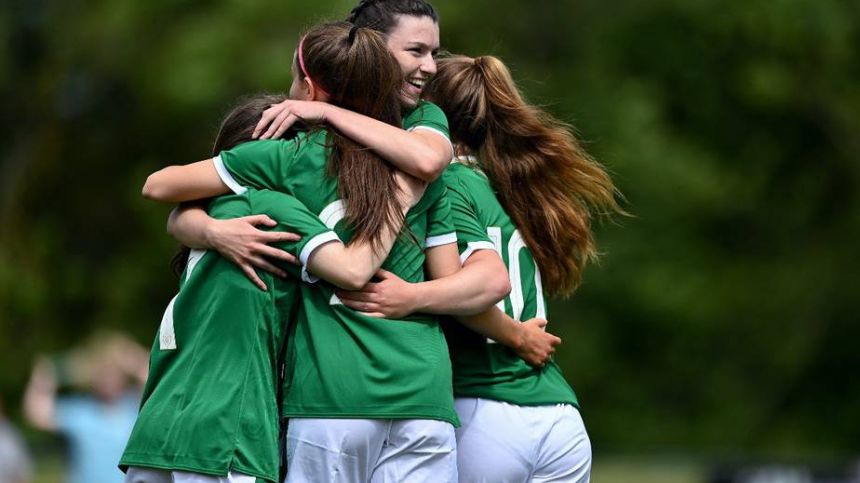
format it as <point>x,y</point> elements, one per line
<point>175,184</point>
<point>496,325</point>
<point>421,154</point>
<point>352,266</point>
<point>470,291</point>
<point>188,225</point>
<point>40,397</point>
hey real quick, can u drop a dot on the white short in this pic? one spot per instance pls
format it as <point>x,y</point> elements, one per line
<point>136,474</point>
<point>500,442</point>
<point>370,450</point>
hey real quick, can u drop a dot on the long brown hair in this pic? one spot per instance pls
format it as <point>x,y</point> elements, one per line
<point>353,65</point>
<point>543,177</point>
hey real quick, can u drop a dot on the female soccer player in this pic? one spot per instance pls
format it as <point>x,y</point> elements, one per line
<point>210,412</point>
<point>369,400</point>
<point>524,186</point>
<point>420,146</point>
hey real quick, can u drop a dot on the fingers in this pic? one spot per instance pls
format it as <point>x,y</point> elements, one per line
<point>383,274</point>
<point>367,307</point>
<point>252,275</point>
<point>278,236</point>
<point>282,117</point>
<point>272,252</point>
<point>377,315</point>
<point>260,262</point>
<point>286,124</point>
<point>256,220</point>
<point>364,295</point>
<point>266,119</point>
<point>273,126</point>
<point>356,296</point>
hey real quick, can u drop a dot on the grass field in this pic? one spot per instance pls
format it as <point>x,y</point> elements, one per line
<point>613,469</point>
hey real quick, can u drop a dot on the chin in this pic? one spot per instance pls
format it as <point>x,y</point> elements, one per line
<point>409,102</point>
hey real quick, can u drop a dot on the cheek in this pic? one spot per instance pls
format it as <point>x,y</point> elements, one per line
<point>297,93</point>
<point>407,62</point>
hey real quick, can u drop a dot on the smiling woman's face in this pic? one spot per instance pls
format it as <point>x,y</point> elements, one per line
<point>414,42</point>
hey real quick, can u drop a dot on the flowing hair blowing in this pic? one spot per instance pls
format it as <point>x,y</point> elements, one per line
<point>544,179</point>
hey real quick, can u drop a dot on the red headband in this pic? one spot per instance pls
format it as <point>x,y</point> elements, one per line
<point>305,71</point>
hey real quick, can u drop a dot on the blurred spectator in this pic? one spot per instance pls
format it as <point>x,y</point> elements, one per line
<point>15,465</point>
<point>109,369</point>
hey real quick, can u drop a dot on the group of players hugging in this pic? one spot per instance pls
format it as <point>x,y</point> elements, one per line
<point>365,299</point>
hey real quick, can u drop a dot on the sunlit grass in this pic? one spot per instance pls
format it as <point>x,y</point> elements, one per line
<point>616,469</point>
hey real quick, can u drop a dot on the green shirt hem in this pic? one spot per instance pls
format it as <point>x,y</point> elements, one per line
<point>293,412</point>
<point>163,462</point>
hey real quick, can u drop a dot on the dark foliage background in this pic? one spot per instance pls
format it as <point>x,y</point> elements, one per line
<point>723,318</point>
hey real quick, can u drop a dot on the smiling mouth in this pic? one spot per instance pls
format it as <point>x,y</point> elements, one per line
<point>416,83</point>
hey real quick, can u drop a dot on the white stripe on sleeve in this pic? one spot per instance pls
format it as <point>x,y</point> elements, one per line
<point>472,247</point>
<point>439,240</point>
<point>228,178</point>
<point>308,250</point>
<point>431,129</point>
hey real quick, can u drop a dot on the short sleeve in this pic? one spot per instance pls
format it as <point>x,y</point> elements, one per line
<point>256,164</point>
<point>471,234</point>
<point>293,216</point>
<point>430,117</point>
<point>440,225</point>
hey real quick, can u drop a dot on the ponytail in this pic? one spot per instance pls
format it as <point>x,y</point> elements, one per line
<point>546,182</point>
<point>354,65</point>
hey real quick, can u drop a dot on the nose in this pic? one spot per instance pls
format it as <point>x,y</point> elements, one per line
<point>428,65</point>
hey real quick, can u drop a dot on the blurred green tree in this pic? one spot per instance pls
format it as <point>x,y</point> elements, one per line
<point>723,316</point>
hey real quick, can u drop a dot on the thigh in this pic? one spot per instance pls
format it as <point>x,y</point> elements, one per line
<point>494,443</point>
<point>565,453</point>
<point>418,450</point>
<point>333,450</point>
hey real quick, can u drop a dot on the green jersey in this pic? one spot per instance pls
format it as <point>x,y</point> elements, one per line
<point>483,368</point>
<point>342,364</point>
<point>427,116</point>
<point>209,405</point>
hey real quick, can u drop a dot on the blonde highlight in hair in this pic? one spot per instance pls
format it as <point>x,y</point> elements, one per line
<point>546,182</point>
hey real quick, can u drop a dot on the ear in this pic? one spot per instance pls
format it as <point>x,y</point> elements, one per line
<point>314,93</point>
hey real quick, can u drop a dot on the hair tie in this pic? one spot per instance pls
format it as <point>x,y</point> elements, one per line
<point>352,32</point>
<point>304,70</point>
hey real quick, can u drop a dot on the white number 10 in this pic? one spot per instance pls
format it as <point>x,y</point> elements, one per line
<point>515,245</point>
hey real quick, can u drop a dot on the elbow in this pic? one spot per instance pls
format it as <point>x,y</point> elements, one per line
<point>499,287</point>
<point>354,279</point>
<point>159,187</point>
<point>431,165</point>
<point>351,284</point>
<point>152,189</point>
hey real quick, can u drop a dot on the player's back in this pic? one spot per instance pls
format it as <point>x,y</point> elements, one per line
<point>483,368</point>
<point>346,364</point>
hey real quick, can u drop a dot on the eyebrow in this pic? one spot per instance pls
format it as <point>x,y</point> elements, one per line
<point>421,45</point>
